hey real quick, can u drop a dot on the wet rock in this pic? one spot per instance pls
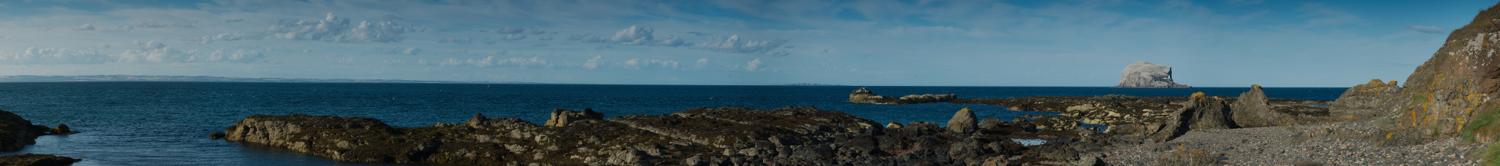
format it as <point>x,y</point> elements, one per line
<point>1253,109</point>
<point>963,121</point>
<point>1144,74</point>
<point>37,160</point>
<point>216,135</point>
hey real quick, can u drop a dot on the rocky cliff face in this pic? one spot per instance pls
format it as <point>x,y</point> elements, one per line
<point>1147,75</point>
<point>1452,93</point>
<point>16,132</point>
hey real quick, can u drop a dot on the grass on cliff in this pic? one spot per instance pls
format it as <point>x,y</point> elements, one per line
<point>1480,122</point>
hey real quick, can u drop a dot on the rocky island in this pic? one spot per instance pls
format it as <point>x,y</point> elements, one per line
<point>1144,74</point>
<point>865,96</point>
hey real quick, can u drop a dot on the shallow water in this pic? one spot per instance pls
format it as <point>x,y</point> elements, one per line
<point>167,123</point>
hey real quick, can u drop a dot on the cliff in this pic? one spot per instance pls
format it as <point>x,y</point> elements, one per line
<point>1144,74</point>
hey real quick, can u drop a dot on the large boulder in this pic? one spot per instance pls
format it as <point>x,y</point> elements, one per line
<point>963,121</point>
<point>1202,112</point>
<point>1144,74</point>
<point>1253,109</point>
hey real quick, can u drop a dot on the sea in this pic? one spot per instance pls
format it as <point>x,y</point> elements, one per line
<point>168,123</point>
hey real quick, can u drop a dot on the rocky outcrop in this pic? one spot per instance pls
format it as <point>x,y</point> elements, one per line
<point>963,121</point>
<point>37,160</point>
<point>1372,99</point>
<point>1144,74</point>
<point>927,98</point>
<point>719,136</point>
<point>562,117</point>
<point>17,132</point>
<point>1253,109</point>
<point>1452,93</point>
<point>865,96</point>
<point>1203,112</point>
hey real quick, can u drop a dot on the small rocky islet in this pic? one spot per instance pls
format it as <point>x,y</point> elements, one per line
<point>16,133</point>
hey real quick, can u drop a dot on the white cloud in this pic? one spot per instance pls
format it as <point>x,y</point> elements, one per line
<point>489,61</point>
<point>753,65</point>
<point>33,55</point>
<point>636,63</point>
<point>702,62</point>
<point>592,63</point>
<point>411,51</point>
<point>158,52</point>
<point>734,44</point>
<point>85,27</point>
<point>334,29</point>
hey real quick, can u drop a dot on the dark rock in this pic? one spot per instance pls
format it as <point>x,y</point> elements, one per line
<point>216,135</point>
<point>963,121</point>
<point>37,160</point>
<point>17,132</point>
<point>1253,109</point>
<point>1144,74</point>
<point>720,136</point>
<point>926,98</point>
<point>1203,112</point>
<point>62,129</point>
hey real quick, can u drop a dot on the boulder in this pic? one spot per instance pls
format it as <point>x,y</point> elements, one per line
<point>563,117</point>
<point>1144,74</point>
<point>1253,109</point>
<point>963,121</point>
<point>1202,112</point>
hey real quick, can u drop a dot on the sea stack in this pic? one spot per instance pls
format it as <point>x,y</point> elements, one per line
<point>1144,74</point>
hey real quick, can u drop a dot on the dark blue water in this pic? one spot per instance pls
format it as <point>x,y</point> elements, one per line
<point>138,123</point>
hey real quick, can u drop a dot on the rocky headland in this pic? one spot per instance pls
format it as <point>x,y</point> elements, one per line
<point>1144,74</point>
<point>17,133</point>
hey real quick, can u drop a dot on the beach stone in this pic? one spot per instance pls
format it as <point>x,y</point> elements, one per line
<point>963,121</point>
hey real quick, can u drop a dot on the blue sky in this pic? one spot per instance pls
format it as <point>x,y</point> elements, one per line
<point>926,42</point>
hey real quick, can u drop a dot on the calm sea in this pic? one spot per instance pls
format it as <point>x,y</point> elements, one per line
<point>167,123</point>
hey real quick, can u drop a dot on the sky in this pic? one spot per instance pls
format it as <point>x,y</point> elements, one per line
<point>1215,43</point>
